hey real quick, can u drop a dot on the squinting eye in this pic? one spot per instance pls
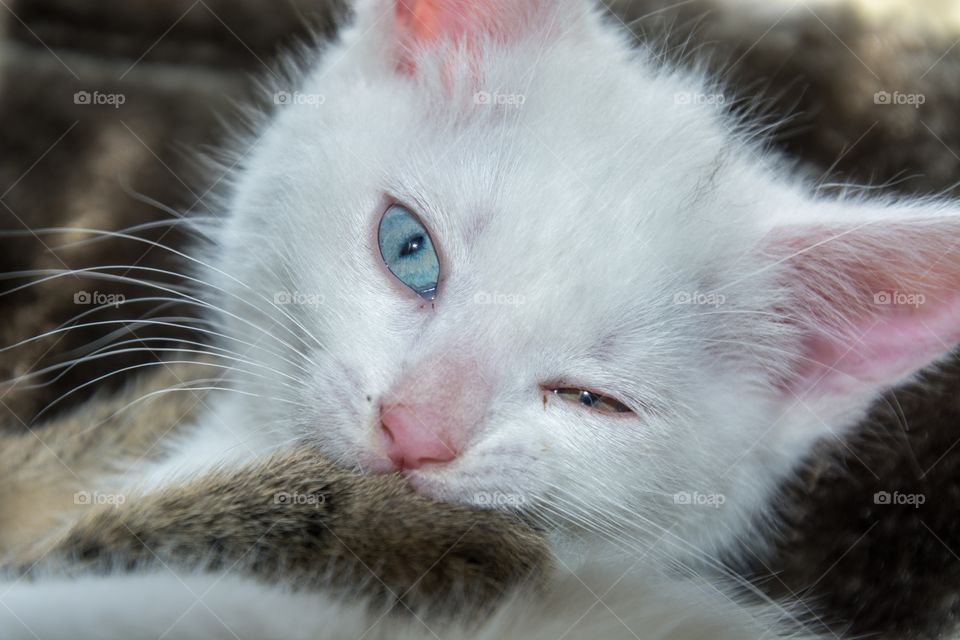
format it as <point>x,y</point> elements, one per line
<point>592,400</point>
<point>407,250</point>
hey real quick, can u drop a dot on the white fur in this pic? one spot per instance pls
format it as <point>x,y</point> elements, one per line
<point>609,604</point>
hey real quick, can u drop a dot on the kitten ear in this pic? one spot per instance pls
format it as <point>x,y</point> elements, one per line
<point>422,25</point>
<point>875,294</point>
<point>425,21</point>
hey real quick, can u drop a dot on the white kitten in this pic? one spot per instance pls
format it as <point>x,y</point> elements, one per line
<point>465,207</point>
<point>601,224</point>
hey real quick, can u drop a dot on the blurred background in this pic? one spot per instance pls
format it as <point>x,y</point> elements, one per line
<point>106,108</point>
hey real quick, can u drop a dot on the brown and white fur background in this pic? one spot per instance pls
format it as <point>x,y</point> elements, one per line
<point>180,65</point>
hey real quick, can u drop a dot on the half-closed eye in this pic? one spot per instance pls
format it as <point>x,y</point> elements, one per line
<point>591,399</point>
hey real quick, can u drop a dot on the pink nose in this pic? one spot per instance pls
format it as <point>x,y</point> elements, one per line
<point>415,437</point>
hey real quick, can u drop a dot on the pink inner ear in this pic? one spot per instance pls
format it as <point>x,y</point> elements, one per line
<point>875,303</point>
<point>423,22</point>
<point>428,20</point>
<point>884,348</point>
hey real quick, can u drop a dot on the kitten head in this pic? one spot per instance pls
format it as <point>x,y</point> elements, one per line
<point>496,246</point>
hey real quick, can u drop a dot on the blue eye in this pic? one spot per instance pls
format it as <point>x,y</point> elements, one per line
<point>407,250</point>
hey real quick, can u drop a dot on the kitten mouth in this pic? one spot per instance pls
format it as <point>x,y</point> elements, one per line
<point>423,481</point>
<point>441,483</point>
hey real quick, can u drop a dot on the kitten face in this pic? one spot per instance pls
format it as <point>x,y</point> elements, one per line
<point>593,230</point>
